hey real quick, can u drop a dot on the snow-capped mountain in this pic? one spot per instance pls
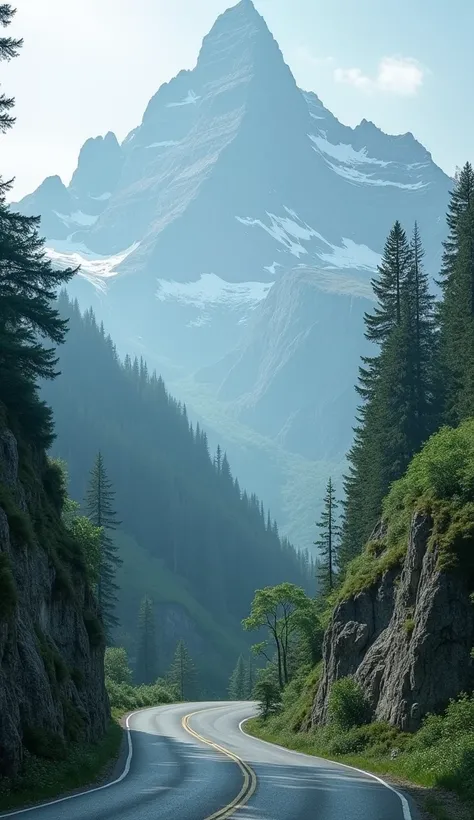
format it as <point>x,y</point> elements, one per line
<point>236,180</point>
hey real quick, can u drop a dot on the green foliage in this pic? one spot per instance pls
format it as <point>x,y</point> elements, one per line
<point>440,754</point>
<point>116,665</point>
<point>87,536</point>
<point>456,311</point>
<point>328,542</point>
<point>126,698</point>
<point>440,482</point>
<point>147,654</point>
<point>8,593</point>
<point>55,482</point>
<point>398,387</point>
<point>28,285</point>
<point>18,521</point>
<point>100,510</point>
<point>347,706</point>
<point>280,610</point>
<point>182,675</point>
<point>268,692</point>
<point>238,682</point>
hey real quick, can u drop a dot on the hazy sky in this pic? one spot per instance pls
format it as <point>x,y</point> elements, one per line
<point>90,66</point>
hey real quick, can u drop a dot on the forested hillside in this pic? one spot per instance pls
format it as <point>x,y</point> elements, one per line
<point>184,515</point>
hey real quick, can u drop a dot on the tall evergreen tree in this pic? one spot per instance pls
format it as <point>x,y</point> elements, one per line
<point>99,506</point>
<point>182,673</point>
<point>328,541</point>
<point>28,284</point>
<point>9,48</point>
<point>456,315</point>
<point>396,387</point>
<point>237,683</point>
<point>147,655</point>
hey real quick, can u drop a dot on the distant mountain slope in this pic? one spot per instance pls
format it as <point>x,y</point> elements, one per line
<point>180,508</point>
<point>235,181</point>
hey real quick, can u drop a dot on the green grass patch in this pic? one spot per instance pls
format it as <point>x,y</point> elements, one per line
<point>440,754</point>
<point>439,482</point>
<point>43,779</point>
<point>18,521</point>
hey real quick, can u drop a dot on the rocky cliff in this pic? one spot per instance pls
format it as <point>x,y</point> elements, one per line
<point>407,638</point>
<point>51,643</point>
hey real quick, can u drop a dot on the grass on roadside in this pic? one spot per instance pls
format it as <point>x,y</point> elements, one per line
<point>42,779</point>
<point>439,756</point>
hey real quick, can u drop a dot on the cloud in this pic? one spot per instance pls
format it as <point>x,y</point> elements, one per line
<point>395,75</point>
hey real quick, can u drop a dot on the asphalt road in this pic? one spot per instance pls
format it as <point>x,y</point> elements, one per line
<point>203,767</point>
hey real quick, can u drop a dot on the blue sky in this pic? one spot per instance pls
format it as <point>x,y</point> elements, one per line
<point>89,66</point>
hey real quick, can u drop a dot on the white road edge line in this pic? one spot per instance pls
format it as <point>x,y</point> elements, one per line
<point>407,815</point>
<point>87,791</point>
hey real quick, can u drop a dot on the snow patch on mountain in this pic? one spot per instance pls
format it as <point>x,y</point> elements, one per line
<point>351,255</point>
<point>346,159</point>
<point>211,290</point>
<point>164,144</point>
<point>345,153</point>
<point>191,99</point>
<point>291,231</point>
<point>95,267</point>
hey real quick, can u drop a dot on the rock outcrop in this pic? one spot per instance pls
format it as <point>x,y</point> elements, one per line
<point>407,639</point>
<point>51,643</point>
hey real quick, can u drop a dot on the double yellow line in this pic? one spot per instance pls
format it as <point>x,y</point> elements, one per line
<point>250,779</point>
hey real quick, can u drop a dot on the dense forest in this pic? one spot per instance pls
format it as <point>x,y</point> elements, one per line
<point>178,502</point>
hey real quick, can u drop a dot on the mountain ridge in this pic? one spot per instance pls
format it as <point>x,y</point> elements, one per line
<point>235,181</point>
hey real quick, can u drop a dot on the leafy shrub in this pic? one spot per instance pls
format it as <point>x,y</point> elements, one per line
<point>267,692</point>
<point>347,705</point>
<point>125,697</point>
<point>55,482</point>
<point>116,665</point>
<point>8,595</point>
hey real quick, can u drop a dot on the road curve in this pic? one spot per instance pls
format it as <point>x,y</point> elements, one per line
<point>193,762</point>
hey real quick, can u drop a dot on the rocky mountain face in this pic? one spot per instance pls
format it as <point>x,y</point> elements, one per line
<point>407,639</point>
<point>51,644</point>
<point>236,192</point>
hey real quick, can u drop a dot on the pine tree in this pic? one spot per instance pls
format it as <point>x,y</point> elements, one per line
<point>147,655</point>
<point>99,506</point>
<point>182,673</point>
<point>396,387</point>
<point>9,48</point>
<point>456,315</point>
<point>328,541</point>
<point>237,683</point>
<point>28,285</point>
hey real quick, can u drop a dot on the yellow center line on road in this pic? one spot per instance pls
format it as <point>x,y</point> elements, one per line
<point>250,778</point>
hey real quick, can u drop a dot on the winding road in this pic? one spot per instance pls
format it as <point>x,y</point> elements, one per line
<point>193,762</point>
